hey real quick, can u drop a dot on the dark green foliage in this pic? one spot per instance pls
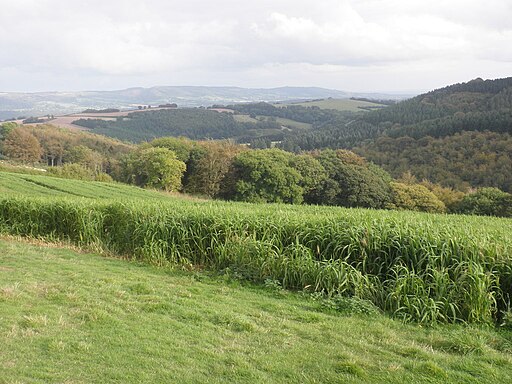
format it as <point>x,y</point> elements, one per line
<point>266,176</point>
<point>486,201</point>
<point>357,184</point>
<point>429,135</point>
<point>459,161</point>
<point>208,167</point>
<point>315,182</point>
<point>154,168</point>
<point>194,123</point>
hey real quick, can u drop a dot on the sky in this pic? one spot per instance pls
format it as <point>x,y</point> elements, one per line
<point>395,46</point>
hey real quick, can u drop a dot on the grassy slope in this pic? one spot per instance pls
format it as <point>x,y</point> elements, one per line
<point>285,122</point>
<point>337,104</point>
<point>80,318</point>
<point>43,185</point>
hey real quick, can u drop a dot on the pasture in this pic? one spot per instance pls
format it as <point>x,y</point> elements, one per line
<point>337,104</point>
<point>73,317</point>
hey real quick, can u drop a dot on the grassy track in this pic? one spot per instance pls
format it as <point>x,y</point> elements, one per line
<point>69,317</point>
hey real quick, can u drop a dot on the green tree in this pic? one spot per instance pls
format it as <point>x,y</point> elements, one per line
<point>415,197</point>
<point>266,175</point>
<point>154,168</point>
<point>85,156</point>
<point>448,196</point>
<point>21,145</point>
<point>486,201</point>
<point>208,167</point>
<point>181,146</point>
<point>359,184</point>
<point>315,181</point>
<point>5,128</point>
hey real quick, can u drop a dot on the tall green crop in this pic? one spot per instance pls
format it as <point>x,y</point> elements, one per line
<point>420,267</point>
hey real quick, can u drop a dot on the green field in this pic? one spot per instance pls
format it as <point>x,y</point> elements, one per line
<point>293,124</point>
<point>337,104</point>
<point>17,184</point>
<point>419,267</point>
<point>70,317</point>
<point>206,291</point>
<point>245,119</point>
<point>285,122</point>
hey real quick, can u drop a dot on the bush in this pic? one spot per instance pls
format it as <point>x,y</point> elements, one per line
<point>78,172</point>
<point>415,197</point>
<point>487,202</point>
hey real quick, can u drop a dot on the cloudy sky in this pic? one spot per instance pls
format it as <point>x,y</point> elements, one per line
<point>354,45</point>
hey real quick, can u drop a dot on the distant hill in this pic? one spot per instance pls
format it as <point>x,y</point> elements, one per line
<point>57,103</point>
<point>428,135</point>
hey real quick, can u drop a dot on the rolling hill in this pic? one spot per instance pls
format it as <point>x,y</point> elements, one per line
<point>457,136</point>
<point>14,104</point>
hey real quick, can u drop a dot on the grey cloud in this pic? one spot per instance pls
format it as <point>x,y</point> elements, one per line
<point>121,43</point>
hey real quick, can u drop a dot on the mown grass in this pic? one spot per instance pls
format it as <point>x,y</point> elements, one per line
<point>281,120</point>
<point>419,267</point>
<point>337,104</point>
<point>81,318</point>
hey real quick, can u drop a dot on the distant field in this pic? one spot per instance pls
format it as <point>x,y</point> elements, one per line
<point>285,122</point>
<point>65,121</point>
<point>337,104</point>
<point>16,184</point>
<point>293,124</point>
<point>245,119</point>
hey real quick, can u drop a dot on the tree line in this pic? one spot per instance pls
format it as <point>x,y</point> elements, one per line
<point>225,170</point>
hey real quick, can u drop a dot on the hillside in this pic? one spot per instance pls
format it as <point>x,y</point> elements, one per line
<point>241,122</point>
<point>193,123</point>
<point>351,104</point>
<point>70,316</point>
<point>434,128</point>
<point>13,104</point>
<point>16,184</point>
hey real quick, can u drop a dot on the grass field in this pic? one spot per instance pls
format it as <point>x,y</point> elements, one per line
<point>337,104</point>
<point>419,267</point>
<point>17,184</point>
<point>293,124</point>
<point>286,122</point>
<point>70,317</point>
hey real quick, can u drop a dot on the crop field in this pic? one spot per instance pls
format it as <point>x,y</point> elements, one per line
<point>416,267</point>
<point>73,317</point>
<point>17,184</point>
<point>337,104</point>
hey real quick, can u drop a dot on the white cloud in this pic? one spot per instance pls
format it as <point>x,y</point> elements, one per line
<point>122,43</point>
